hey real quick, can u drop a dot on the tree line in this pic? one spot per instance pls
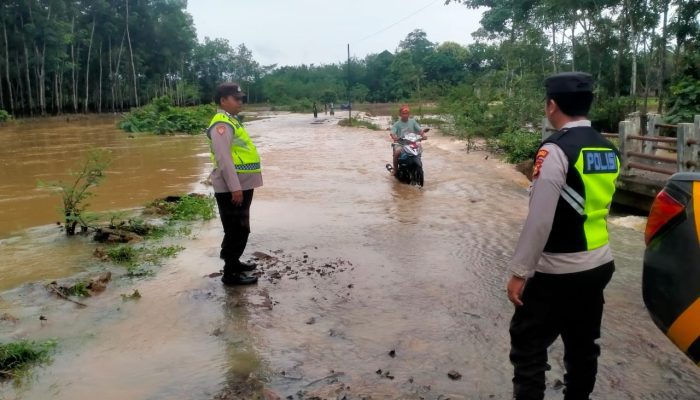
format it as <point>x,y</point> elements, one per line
<point>59,56</point>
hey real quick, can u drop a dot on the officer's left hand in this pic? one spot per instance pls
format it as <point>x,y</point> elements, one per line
<point>515,290</point>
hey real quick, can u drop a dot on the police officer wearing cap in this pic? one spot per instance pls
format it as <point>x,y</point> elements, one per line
<point>562,261</point>
<point>236,173</point>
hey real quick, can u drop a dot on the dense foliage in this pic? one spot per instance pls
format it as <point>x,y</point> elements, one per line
<point>78,56</point>
<point>160,117</point>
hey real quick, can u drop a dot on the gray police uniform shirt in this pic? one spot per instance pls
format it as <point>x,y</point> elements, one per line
<point>545,190</point>
<point>225,178</point>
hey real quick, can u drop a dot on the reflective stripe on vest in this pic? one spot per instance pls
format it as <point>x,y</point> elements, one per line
<point>243,152</point>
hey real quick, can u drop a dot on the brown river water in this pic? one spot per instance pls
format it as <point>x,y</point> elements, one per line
<point>355,265</point>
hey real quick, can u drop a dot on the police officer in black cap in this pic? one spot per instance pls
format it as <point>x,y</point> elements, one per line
<point>562,261</point>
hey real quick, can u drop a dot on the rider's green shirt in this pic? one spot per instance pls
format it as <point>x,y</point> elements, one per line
<point>401,128</point>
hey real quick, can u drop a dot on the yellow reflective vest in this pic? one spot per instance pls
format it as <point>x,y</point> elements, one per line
<point>580,218</point>
<point>243,152</point>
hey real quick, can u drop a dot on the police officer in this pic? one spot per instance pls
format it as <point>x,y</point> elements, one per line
<point>562,261</point>
<point>236,173</point>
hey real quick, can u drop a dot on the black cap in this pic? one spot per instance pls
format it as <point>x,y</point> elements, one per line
<point>228,89</point>
<point>569,82</point>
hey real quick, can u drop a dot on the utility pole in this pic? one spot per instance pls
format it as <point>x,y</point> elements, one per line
<point>349,101</point>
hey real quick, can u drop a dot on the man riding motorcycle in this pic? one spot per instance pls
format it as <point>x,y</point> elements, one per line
<point>401,128</point>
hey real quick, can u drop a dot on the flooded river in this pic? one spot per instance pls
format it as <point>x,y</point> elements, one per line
<point>371,289</point>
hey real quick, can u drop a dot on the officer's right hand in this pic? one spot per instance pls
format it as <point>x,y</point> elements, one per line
<point>237,198</point>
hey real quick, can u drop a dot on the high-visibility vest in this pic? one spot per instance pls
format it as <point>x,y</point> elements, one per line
<point>580,220</point>
<point>243,152</point>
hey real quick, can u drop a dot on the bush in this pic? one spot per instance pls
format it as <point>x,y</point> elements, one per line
<point>606,113</point>
<point>684,100</point>
<point>160,117</point>
<point>5,116</point>
<point>519,145</point>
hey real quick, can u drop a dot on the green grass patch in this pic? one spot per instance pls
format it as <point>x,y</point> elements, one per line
<point>17,357</point>
<point>139,260</point>
<point>123,254</point>
<point>80,289</point>
<point>192,208</point>
<point>186,208</point>
<point>358,123</point>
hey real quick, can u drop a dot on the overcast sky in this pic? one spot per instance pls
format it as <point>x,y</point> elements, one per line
<point>294,32</point>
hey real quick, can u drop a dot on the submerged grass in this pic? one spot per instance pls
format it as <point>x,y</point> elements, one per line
<point>358,123</point>
<point>17,357</point>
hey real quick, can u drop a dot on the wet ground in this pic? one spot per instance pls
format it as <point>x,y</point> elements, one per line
<point>370,289</point>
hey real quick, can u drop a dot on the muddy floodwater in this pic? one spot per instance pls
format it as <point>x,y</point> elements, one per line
<point>370,289</point>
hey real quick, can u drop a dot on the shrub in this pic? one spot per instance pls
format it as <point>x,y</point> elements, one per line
<point>684,100</point>
<point>519,145</point>
<point>76,193</point>
<point>160,117</point>
<point>4,116</point>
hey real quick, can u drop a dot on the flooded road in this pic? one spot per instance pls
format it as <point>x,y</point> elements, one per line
<point>355,266</point>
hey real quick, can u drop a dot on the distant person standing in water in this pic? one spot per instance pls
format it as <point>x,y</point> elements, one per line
<point>325,108</point>
<point>236,173</point>
<point>332,110</point>
<point>315,110</point>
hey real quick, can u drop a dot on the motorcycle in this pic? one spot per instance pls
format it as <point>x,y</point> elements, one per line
<point>410,165</point>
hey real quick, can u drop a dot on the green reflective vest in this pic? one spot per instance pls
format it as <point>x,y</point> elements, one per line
<point>243,152</point>
<point>580,218</point>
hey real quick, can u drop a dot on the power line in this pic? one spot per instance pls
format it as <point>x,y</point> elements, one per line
<point>397,22</point>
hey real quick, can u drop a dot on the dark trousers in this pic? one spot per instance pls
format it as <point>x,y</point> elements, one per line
<point>570,305</point>
<point>236,222</point>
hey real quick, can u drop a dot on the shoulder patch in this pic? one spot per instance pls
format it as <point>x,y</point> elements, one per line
<point>220,129</point>
<point>539,159</point>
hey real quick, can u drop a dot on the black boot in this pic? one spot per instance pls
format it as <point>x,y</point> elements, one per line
<point>232,277</point>
<point>238,278</point>
<point>247,266</point>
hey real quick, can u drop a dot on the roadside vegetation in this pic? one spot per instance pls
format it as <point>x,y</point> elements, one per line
<point>17,357</point>
<point>4,116</point>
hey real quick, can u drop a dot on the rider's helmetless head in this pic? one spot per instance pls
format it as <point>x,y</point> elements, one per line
<point>404,112</point>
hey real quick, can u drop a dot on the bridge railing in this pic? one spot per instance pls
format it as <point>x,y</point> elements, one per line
<point>639,149</point>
